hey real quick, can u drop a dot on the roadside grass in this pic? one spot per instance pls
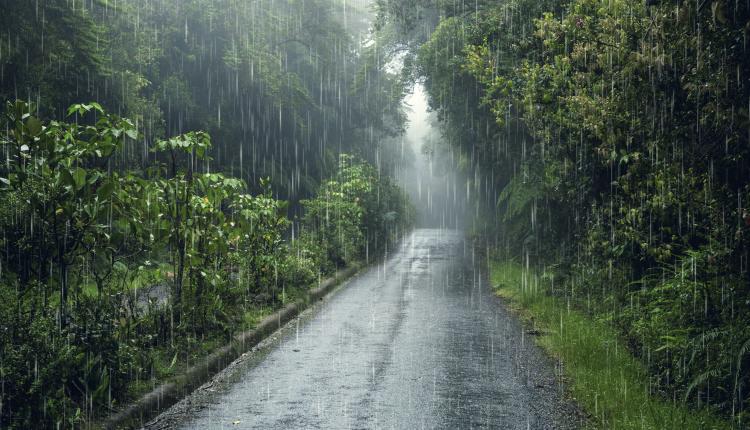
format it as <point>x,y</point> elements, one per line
<point>603,377</point>
<point>167,361</point>
<point>254,315</point>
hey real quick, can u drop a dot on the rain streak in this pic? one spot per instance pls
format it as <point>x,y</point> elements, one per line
<point>355,214</point>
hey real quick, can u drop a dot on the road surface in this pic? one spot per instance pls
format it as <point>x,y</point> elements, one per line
<point>418,341</point>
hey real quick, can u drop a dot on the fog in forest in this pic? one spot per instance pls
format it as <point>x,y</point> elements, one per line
<point>428,170</point>
<point>458,213</point>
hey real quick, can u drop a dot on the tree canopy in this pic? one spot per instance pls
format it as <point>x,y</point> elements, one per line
<point>609,141</point>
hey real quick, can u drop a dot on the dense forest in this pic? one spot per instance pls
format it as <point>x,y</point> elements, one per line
<point>607,142</point>
<point>276,83</point>
<point>176,170</point>
<point>173,171</point>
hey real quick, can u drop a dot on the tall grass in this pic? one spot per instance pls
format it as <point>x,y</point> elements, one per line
<point>604,378</point>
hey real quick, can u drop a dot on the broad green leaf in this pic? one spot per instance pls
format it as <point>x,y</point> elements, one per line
<point>105,190</point>
<point>34,126</point>
<point>79,177</point>
<point>66,178</point>
<point>96,106</point>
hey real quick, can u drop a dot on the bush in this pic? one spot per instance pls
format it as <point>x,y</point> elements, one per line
<point>356,213</point>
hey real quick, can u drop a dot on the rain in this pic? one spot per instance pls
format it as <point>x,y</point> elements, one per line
<point>335,214</point>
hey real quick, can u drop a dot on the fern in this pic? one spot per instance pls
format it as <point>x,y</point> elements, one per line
<point>517,196</point>
<point>738,376</point>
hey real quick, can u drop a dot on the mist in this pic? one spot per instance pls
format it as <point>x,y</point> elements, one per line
<point>428,170</point>
<point>364,213</point>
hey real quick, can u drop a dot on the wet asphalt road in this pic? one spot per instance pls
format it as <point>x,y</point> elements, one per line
<point>418,341</point>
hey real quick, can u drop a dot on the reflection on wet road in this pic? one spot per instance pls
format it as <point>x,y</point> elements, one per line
<point>417,342</point>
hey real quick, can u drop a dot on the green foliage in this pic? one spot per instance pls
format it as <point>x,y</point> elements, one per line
<point>37,39</point>
<point>333,221</point>
<point>355,213</point>
<point>113,277</point>
<point>611,384</point>
<point>613,138</point>
<point>248,73</point>
<point>123,242</point>
<point>58,201</point>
